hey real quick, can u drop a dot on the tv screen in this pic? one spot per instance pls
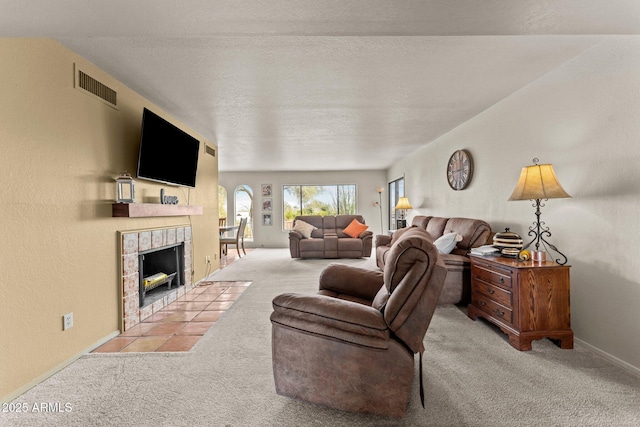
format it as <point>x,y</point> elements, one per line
<point>167,154</point>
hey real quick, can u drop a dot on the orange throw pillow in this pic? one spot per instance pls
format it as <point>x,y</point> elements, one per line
<point>355,228</point>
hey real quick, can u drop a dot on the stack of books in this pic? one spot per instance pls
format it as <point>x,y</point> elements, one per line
<point>484,250</point>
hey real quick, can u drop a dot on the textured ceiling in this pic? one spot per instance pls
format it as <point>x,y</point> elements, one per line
<point>323,85</point>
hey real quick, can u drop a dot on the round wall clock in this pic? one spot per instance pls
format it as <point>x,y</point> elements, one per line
<point>459,170</point>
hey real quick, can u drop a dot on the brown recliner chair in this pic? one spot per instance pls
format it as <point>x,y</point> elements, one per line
<point>352,345</point>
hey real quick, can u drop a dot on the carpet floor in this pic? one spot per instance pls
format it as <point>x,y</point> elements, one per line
<point>473,377</point>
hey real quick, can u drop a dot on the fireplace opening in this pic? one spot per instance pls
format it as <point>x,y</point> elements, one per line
<point>160,271</point>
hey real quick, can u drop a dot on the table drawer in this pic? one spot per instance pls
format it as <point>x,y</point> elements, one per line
<point>491,307</point>
<point>492,277</point>
<point>495,293</point>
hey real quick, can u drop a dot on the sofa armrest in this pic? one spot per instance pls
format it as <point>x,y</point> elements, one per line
<point>294,244</point>
<point>346,279</point>
<point>331,317</point>
<point>382,240</point>
<point>295,235</point>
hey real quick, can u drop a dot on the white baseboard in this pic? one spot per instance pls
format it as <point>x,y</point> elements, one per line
<point>620,363</point>
<point>16,393</point>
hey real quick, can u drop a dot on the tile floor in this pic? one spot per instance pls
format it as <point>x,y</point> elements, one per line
<point>180,325</point>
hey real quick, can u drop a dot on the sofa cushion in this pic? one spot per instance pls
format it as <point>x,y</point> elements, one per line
<point>475,232</point>
<point>355,228</point>
<point>447,242</point>
<point>436,225</point>
<point>304,228</point>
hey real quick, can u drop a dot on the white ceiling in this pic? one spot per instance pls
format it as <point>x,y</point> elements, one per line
<point>323,85</point>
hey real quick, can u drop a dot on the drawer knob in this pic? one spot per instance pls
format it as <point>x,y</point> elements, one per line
<point>482,303</point>
<point>499,313</point>
<point>501,280</point>
<point>491,291</point>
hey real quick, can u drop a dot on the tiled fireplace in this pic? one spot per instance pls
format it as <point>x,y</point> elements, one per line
<point>132,243</point>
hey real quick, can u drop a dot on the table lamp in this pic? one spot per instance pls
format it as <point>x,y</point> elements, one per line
<point>539,182</point>
<point>403,205</point>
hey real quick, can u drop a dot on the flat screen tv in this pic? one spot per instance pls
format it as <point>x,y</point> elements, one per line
<point>167,154</point>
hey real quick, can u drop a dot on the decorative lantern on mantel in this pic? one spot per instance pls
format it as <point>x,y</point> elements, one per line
<point>125,188</point>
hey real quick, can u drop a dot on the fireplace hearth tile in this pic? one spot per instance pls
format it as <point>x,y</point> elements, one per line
<point>187,276</point>
<point>195,328</point>
<point>158,317</point>
<point>171,236</point>
<point>204,296</point>
<point>166,328</point>
<point>229,296</point>
<point>130,243</point>
<point>144,241</point>
<point>145,344</point>
<point>131,321</point>
<point>130,265</point>
<point>146,312</point>
<point>130,304</point>
<point>219,305</point>
<point>158,305</point>
<point>171,297</point>
<point>179,343</point>
<point>156,239</point>
<point>115,345</point>
<point>180,292</point>
<point>131,285</point>
<point>208,316</point>
<point>180,234</point>
<point>181,316</point>
<point>138,330</point>
<point>192,305</point>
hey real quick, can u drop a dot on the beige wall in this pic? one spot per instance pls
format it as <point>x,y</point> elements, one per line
<point>584,118</point>
<point>61,149</point>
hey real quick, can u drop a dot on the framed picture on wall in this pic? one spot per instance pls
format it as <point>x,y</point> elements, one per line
<point>267,204</point>
<point>267,219</point>
<point>266,190</point>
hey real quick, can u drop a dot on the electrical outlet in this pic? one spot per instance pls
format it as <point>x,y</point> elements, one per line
<point>67,321</point>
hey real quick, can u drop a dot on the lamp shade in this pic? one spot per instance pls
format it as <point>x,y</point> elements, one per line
<point>403,203</point>
<point>538,182</point>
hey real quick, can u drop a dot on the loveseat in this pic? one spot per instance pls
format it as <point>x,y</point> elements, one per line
<point>326,238</point>
<point>472,233</point>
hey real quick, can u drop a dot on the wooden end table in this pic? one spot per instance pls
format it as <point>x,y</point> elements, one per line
<point>527,300</point>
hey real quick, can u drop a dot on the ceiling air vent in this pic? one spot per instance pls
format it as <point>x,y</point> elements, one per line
<point>92,86</point>
<point>210,150</point>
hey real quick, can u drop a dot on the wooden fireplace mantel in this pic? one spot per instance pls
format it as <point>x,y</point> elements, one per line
<point>141,210</point>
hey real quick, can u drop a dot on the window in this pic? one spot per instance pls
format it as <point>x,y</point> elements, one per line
<point>317,200</point>
<point>243,205</point>
<point>396,190</point>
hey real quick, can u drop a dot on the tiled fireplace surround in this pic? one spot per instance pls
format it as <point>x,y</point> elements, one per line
<point>133,242</point>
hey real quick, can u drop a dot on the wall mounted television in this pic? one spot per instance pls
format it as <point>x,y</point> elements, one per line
<point>167,154</point>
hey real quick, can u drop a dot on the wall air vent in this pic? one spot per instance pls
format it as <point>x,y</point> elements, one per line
<point>92,86</point>
<point>210,150</point>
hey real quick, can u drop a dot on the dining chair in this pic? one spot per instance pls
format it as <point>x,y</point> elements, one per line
<point>222,222</point>
<point>237,239</point>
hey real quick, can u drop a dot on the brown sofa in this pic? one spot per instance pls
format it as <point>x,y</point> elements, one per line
<point>474,232</point>
<point>328,239</point>
<point>351,346</point>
